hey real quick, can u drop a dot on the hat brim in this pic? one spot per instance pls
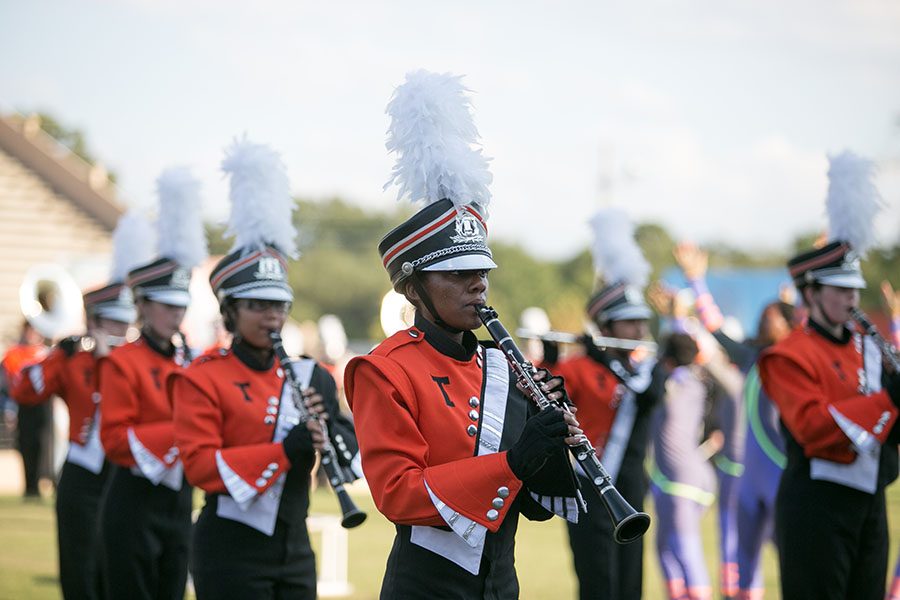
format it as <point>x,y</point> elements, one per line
<point>843,280</point>
<point>122,314</point>
<point>627,312</point>
<point>178,298</point>
<point>278,294</point>
<point>463,262</point>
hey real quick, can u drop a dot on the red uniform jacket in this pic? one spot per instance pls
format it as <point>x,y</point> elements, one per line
<point>412,408</point>
<point>72,377</point>
<point>225,412</point>
<point>805,374</point>
<point>595,390</point>
<point>133,392</point>
<point>20,356</point>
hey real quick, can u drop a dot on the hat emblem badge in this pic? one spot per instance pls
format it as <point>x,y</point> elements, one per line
<point>269,268</point>
<point>632,296</point>
<point>125,295</point>
<point>467,230</point>
<point>181,278</point>
<point>851,262</point>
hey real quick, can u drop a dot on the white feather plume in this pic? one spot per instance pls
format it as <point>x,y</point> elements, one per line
<point>134,244</point>
<point>261,203</point>
<point>182,237</point>
<point>617,257</point>
<point>435,140</point>
<point>853,201</point>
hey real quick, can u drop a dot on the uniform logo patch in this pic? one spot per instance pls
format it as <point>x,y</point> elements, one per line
<point>467,230</point>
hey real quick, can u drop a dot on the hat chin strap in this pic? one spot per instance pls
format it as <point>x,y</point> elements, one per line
<point>426,300</point>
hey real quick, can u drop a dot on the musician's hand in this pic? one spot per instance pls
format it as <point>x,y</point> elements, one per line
<point>542,435</point>
<point>314,402</point>
<point>315,432</point>
<point>574,428</point>
<point>298,443</point>
<point>552,385</point>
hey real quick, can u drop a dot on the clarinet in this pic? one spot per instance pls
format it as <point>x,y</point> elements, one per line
<point>629,524</point>
<point>887,349</point>
<point>352,516</point>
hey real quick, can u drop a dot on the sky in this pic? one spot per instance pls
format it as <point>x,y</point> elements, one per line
<point>714,119</point>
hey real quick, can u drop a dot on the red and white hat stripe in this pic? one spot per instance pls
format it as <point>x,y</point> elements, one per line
<point>425,232</point>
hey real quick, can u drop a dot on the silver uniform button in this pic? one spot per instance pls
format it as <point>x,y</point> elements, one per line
<point>473,414</point>
<point>268,474</point>
<point>269,420</point>
<point>474,402</point>
<point>279,372</point>
<point>492,515</point>
<point>503,491</point>
<point>273,466</point>
<point>273,401</point>
<point>497,503</point>
<point>471,430</point>
<point>261,482</point>
<point>272,410</point>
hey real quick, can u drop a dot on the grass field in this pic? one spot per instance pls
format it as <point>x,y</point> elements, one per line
<point>28,552</point>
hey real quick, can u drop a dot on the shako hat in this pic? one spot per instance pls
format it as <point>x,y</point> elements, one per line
<point>618,260</point>
<point>852,203</point>
<point>434,138</point>
<point>261,225</point>
<point>181,241</point>
<point>132,242</point>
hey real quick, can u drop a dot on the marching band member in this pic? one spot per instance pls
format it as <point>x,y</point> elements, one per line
<point>146,517</point>
<point>70,372</point>
<point>615,397</point>
<point>234,413</point>
<point>448,449</point>
<point>838,408</point>
<point>753,498</point>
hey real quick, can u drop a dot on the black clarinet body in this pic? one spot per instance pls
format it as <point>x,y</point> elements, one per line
<point>887,348</point>
<point>629,524</point>
<point>352,516</point>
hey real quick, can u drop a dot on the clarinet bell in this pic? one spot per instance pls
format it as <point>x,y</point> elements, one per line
<point>352,516</point>
<point>629,524</point>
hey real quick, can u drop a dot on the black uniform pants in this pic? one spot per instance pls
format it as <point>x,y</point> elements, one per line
<point>146,533</point>
<point>232,560</point>
<point>414,573</point>
<point>32,442</point>
<point>607,570</point>
<point>833,541</point>
<point>78,499</point>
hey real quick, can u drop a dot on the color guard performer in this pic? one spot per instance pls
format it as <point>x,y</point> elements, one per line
<point>839,408</point>
<point>448,448</point>
<point>236,424</point>
<point>146,517</point>
<point>70,372</point>
<point>891,301</point>
<point>615,396</point>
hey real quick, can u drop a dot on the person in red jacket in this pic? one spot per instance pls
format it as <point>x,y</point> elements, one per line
<point>236,423</point>
<point>31,422</point>
<point>615,392</point>
<point>146,516</point>
<point>70,372</point>
<point>838,409</point>
<point>449,451</point>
